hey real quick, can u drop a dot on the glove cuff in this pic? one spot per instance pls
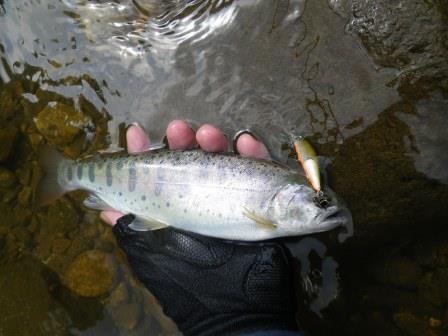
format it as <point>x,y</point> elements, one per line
<point>243,324</point>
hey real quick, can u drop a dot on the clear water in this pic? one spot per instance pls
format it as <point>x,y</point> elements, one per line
<point>365,81</point>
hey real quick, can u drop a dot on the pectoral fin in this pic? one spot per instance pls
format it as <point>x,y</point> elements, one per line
<point>96,203</point>
<point>146,224</point>
<point>264,222</point>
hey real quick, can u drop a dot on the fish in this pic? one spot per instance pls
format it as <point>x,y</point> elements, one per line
<point>221,195</point>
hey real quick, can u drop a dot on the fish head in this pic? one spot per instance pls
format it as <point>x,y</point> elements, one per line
<point>297,210</point>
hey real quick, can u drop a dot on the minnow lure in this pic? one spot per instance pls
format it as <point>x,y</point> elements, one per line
<point>307,157</point>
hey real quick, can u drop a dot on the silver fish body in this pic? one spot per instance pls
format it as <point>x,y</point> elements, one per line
<point>218,195</point>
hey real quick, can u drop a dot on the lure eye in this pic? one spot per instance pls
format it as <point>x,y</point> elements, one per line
<point>321,199</point>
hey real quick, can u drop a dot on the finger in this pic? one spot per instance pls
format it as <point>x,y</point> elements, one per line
<point>136,139</point>
<point>111,217</point>
<point>180,135</point>
<point>211,139</point>
<point>247,145</point>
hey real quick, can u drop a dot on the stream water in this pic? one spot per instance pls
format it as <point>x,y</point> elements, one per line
<point>366,81</point>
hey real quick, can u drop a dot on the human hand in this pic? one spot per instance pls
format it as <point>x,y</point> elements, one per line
<point>209,286</point>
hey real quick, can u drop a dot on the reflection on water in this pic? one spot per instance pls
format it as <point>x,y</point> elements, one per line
<point>365,80</point>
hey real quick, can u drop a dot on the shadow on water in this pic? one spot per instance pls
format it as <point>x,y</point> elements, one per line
<point>366,81</point>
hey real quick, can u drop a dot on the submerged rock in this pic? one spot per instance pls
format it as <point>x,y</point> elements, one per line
<point>7,178</point>
<point>127,316</point>
<point>91,274</point>
<point>61,124</point>
<point>399,33</point>
<point>8,136</point>
<point>119,295</point>
<point>26,301</point>
<point>398,271</point>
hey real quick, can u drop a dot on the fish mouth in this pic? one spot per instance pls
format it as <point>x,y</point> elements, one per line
<point>336,217</point>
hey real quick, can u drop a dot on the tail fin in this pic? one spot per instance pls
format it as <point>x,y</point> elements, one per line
<point>49,188</point>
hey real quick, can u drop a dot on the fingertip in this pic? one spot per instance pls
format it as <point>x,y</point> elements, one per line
<point>180,135</point>
<point>110,217</point>
<point>249,146</point>
<point>136,139</point>
<point>211,139</point>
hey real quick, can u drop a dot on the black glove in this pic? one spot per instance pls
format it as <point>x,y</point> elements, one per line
<point>213,287</point>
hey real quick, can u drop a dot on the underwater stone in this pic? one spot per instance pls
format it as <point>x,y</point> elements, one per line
<point>24,196</point>
<point>60,245</point>
<point>399,33</point>
<point>8,137</point>
<point>410,323</point>
<point>91,274</point>
<point>430,290</point>
<point>128,315</point>
<point>60,219</point>
<point>7,178</point>
<point>27,303</point>
<point>398,271</point>
<point>61,124</point>
<point>119,295</point>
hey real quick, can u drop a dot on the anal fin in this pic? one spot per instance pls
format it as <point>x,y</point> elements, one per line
<point>264,222</point>
<point>146,224</point>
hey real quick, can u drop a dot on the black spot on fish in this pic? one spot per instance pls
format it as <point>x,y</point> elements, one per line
<point>79,172</point>
<point>69,173</point>
<point>160,178</point>
<point>120,193</point>
<point>143,198</point>
<point>181,196</point>
<point>92,172</point>
<point>132,180</point>
<point>185,210</point>
<point>109,174</point>
<point>167,204</point>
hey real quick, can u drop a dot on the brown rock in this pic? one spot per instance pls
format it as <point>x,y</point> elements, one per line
<point>410,323</point>
<point>119,295</point>
<point>8,137</point>
<point>91,274</point>
<point>7,178</point>
<point>128,315</point>
<point>60,245</point>
<point>61,123</point>
<point>24,196</point>
<point>398,271</point>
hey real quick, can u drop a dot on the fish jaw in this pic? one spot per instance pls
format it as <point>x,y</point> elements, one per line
<point>296,212</point>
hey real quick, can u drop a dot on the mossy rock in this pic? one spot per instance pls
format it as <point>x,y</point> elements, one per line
<point>61,124</point>
<point>27,307</point>
<point>8,136</point>
<point>7,178</point>
<point>91,274</point>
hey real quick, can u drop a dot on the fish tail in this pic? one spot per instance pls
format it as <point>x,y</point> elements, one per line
<point>50,188</point>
